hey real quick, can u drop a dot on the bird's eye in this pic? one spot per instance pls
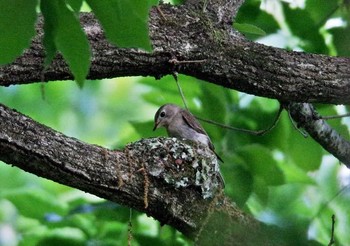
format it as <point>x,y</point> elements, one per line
<point>162,114</point>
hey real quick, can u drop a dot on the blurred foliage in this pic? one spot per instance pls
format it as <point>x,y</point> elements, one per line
<point>281,178</point>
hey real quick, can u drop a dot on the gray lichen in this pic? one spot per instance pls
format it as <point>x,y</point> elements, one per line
<point>180,163</point>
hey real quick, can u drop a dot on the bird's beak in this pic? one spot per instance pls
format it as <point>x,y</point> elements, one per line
<point>155,126</point>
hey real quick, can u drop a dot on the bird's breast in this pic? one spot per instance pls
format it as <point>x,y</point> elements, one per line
<point>187,133</point>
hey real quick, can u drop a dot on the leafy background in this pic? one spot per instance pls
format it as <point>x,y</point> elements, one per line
<point>281,178</point>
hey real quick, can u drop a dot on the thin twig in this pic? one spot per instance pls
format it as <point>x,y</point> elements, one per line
<point>130,228</point>
<point>334,116</point>
<point>42,90</point>
<point>146,186</point>
<point>332,241</point>
<point>330,200</point>
<point>302,132</point>
<point>175,61</point>
<point>180,90</point>
<point>253,132</point>
<point>161,12</point>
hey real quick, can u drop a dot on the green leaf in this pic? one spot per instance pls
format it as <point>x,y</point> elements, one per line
<point>17,19</point>
<point>67,36</point>
<point>276,137</point>
<point>243,181</point>
<point>147,240</point>
<point>212,99</point>
<point>250,12</point>
<point>341,40</point>
<point>118,213</point>
<point>248,28</point>
<point>10,177</point>
<point>50,30</point>
<point>261,189</point>
<point>261,164</point>
<point>212,107</point>
<point>63,236</point>
<point>75,4</point>
<point>144,129</point>
<point>72,42</point>
<point>165,90</point>
<point>282,200</point>
<point>295,174</point>
<point>304,152</point>
<point>34,204</point>
<point>85,222</point>
<point>304,27</point>
<point>124,21</point>
<point>320,10</point>
<point>178,2</point>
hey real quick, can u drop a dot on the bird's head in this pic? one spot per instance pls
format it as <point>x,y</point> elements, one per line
<point>164,115</point>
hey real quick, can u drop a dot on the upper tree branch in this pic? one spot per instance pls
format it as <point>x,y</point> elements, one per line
<point>199,31</point>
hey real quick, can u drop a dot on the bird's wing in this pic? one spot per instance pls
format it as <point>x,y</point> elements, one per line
<point>192,122</point>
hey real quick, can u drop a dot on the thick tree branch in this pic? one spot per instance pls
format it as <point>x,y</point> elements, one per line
<point>191,33</point>
<point>164,178</point>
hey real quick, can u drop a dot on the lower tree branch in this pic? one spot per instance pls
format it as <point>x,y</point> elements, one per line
<point>165,178</point>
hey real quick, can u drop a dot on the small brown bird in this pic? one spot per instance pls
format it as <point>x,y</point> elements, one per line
<point>180,123</point>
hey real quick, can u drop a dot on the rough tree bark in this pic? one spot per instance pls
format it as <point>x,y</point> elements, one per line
<point>161,177</point>
<point>196,39</point>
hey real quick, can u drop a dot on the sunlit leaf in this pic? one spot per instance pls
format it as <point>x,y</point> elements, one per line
<point>295,174</point>
<point>75,4</point>
<point>304,27</point>
<point>248,28</point>
<point>40,203</point>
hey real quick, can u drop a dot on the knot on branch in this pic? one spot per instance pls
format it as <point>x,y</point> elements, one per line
<point>178,163</point>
